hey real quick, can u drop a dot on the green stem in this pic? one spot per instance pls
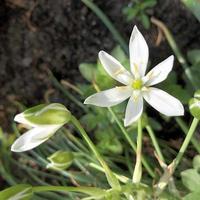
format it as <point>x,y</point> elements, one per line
<point>137,174</point>
<point>186,142</point>
<point>86,190</point>
<point>113,181</point>
<point>155,142</point>
<point>65,92</point>
<point>184,128</point>
<point>132,144</point>
<point>175,49</point>
<point>90,4</point>
<point>169,170</point>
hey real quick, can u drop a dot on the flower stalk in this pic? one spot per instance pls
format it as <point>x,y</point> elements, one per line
<point>155,142</point>
<point>137,174</point>
<point>112,180</point>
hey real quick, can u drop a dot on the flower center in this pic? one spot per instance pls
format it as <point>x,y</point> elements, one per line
<point>137,84</point>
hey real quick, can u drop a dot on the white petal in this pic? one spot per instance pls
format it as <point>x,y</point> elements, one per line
<point>110,97</point>
<point>34,137</point>
<point>134,109</point>
<point>163,102</point>
<point>160,72</point>
<point>114,68</point>
<point>20,119</point>
<point>139,53</point>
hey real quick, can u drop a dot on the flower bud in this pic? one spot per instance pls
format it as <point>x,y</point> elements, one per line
<point>43,121</point>
<point>194,105</point>
<point>44,114</point>
<point>60,160</point>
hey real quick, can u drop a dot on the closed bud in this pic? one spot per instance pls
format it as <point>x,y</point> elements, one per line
<point>43,121</point>
<point>194,105</point>
<point>47,114</point>
<point>60,160</point>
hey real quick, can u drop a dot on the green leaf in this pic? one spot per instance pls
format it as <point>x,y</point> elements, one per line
<point>90,121</point>
<point>191,179</point>
<point>148,4</point>
<point>17,192</point>
<point>194,7</point>
<point>192,196</point>
<point>145,20</point>
<point>196,162</point>
<point>194,56</point>
<point>88,71</point>
<point>108,141</point>
<point>131,12</point>
<point>120,55</point>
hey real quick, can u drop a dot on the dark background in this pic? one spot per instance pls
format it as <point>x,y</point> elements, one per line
<point>39,34</point>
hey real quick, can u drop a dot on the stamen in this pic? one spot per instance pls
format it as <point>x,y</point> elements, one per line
<point>137,84</point>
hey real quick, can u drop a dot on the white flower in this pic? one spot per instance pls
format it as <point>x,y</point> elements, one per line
<point>44,121</point>
<point>138,86</point>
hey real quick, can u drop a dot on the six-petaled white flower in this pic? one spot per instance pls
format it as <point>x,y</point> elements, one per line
<point>138,86</point>
<point>44,121</point>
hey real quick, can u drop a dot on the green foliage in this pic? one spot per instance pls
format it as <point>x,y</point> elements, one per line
<point>192,196</point>
<point>194,7</point>
<point>194,59</point>
<point>191,178</point>
<point>17,192</point>
<point>139,10</point>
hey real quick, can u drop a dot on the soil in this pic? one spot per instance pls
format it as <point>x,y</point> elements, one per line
<point>59,35</point>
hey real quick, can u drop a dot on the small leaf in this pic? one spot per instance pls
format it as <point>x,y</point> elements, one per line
<point>17,192</point>
<point>90,121</point>
<point>194,7</point>
<point>196,162</point>
<point>131,12</point>
<point>145,20</point>
<point>88,71</point>
<point>191,179</point>
<point>148,4</point>
<point>192,196</point>
<point>194,56</point>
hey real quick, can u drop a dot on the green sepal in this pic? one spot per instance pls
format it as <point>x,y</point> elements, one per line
<point>48,114</point>
<point>60,160</point>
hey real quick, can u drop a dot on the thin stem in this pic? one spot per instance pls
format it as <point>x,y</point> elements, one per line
<point>176,49</point>
<point>90,4</point>
<point>137,174</point>
<point>184,128</point>
<point>169,170</point>
<point>155,142</point>
<point>65,92</point>
<point>85,190</point>
<point>132,144</point>
<point>186,142</point>
<point>114,183</point>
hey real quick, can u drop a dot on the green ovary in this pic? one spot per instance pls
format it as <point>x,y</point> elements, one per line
<point>137,84</point>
